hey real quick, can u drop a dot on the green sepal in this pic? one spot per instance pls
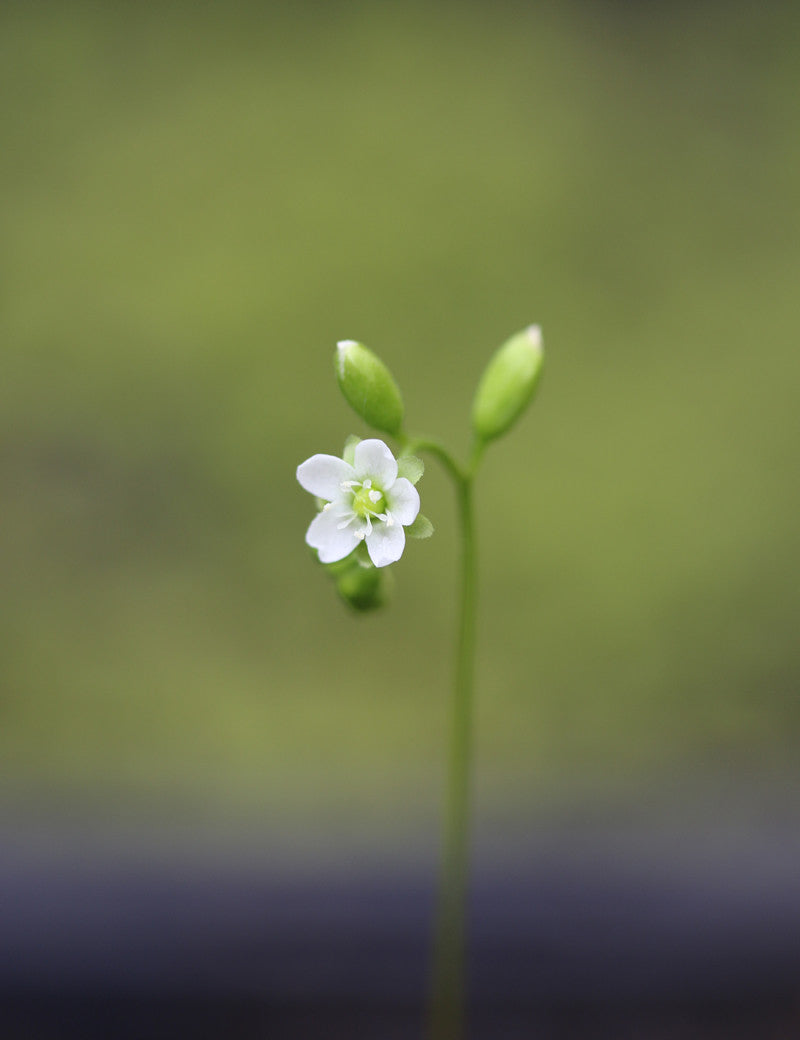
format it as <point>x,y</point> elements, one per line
<point>349,453</point>
<point>339,567</point>
<point>410,467</point>
<point>421,527</point>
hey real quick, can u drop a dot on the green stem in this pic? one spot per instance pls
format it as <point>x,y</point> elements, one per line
<point>448,995</point>
<point>415,444</point>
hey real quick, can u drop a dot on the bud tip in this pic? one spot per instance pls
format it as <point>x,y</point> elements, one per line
<point>342,347</point>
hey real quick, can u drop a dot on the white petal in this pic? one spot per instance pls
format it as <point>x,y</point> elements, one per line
<point>402,500</point>
<point>373,459</point>
<point>331,542</point>
<point>322,475</point>
<point>385,544</point>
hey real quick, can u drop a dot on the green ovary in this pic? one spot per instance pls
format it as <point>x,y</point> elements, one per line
<point>364,506</point>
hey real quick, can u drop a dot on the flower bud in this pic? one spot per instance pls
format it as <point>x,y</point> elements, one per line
<point>369,387</point>
<point>362,588</point>
<point>359,584</point>
<point>507,384</point>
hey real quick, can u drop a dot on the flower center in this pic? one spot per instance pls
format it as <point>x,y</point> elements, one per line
<point>367,500</point>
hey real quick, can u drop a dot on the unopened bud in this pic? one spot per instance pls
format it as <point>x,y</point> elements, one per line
<point>508,384</point>
<point>369,387</point>
<point>362,588</point>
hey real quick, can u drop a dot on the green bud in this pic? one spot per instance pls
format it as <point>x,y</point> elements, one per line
<point>369,387</point>
<point>507,384</point>
<point>360,584</point>
<point>362,588</point>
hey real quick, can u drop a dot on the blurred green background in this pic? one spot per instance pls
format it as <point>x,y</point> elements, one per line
<point>197,201</point>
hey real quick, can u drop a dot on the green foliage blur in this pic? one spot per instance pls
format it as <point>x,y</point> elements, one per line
<point>198,201</point>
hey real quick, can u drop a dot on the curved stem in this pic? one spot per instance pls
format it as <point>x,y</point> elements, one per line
<point>448,995</point>
<point>414,444</point>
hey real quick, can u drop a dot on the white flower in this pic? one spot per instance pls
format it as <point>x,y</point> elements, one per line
<point>365,501</point>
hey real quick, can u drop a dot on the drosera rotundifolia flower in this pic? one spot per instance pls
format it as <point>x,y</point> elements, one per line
<point>367,506</point>
<point>366,500</point>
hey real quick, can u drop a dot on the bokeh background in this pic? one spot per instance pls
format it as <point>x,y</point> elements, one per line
<point>197,201</point>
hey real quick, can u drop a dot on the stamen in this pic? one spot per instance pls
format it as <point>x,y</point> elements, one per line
<point>367,483</point>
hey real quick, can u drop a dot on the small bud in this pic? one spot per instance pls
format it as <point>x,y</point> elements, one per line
<point>369,387</point>
<point>359,584</point>
<point>507,384</point>
<point>362,588</point>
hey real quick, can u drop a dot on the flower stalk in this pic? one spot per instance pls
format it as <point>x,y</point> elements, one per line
<point>447,1010</point>
<point>367,503</point>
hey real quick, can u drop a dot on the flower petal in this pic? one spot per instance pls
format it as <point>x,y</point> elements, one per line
<point>402,500</point>
<point>331,542</point>
<point>385,544</point>
<point>322,475</point>
<point>373,459</point>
